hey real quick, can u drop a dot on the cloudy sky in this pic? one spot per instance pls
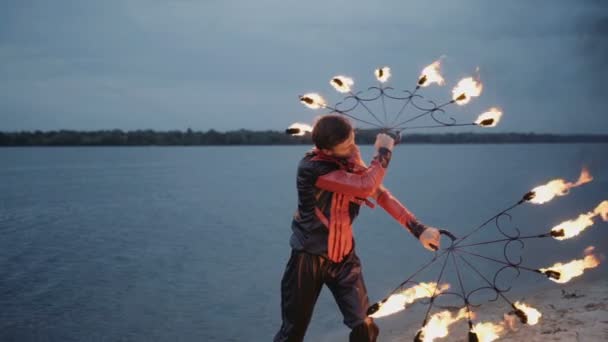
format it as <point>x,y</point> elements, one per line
<point>137,64</point>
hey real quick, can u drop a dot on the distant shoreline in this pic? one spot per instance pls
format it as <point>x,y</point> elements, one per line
<point>265,138</point>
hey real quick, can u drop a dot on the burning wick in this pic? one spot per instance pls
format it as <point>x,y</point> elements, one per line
<point>571,228</point>
<point>465,90</point>
<point>383,74</point>
<point>562,273</point>
<point>526,313</point>
<point>430,74</point>
<point>342,84</point>
<point>298,129</point>
<point>557,187</point>
<point>312,100</point>
<point>489,118</point>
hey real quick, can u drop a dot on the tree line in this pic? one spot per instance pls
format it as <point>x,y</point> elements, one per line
<point>117,137</point>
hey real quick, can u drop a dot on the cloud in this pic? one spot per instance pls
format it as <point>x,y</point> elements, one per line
<point>241,64</point>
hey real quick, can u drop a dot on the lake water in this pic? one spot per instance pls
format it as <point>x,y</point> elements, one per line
<point>189,244</point>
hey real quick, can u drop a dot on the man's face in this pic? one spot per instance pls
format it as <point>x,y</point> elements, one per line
<point>344,149</point>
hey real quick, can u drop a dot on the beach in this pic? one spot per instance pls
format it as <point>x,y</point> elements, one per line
<point>570,312</point>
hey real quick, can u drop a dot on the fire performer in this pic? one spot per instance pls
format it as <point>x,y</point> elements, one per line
<point>333,182</point>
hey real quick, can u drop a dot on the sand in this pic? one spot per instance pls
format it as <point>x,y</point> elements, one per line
<point>570,312</point>
<point>576,311</point>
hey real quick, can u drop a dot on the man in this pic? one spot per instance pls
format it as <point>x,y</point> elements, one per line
<point>332,183</point>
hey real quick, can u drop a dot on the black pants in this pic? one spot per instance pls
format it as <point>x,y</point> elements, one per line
<point>301,285</point>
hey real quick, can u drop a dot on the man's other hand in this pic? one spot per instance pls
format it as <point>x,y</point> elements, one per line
<point>384,140</point>
<point>431,239</point>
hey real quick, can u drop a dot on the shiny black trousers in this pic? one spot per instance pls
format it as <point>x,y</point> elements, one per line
<point>304,277</point>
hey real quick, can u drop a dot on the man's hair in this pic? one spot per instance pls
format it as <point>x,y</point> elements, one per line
<point>331,130</point>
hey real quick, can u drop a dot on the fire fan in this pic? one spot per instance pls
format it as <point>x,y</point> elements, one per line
<point>461,255</point>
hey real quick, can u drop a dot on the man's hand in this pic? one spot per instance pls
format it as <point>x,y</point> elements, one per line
<point>430,238</point>
<point>384,140</point>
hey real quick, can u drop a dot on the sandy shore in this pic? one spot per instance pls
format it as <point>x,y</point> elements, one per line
<point>570,312</point>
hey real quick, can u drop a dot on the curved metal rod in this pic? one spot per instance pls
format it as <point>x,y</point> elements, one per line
<point>395,97</point>
<point>486,222</point>
<point>507,215</point>
<point>371,98</point>
<point>453,121</point>
<point>425,111</point>
<point>359,101</point>
<point>498,291</point>
<point>361,97</point>
<point>506,255</point>
<point>491,288</point>
<point>347,98</point>
<point>334,110</point>
<point>435,126</point>
<point>495,279</point>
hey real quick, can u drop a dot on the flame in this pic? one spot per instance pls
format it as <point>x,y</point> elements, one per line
<point>437,326</point>
<point>313,100</point>
<point>571,228</point>
<point>397,301</point>
<point>487,331</point>
<point>558,187</point>
<point>532,314</point>
<point>342,83</point>
<point>602,210</point>
<point>489,118</point>
<point>383,74</point>
<point>585,177</point>
<point>302,127</point>
<point>430,74</point>
<point>573,268</point>
<point>465,90</point>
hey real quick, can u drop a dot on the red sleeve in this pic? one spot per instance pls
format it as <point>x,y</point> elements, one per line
<point>359,185</point>
<point>393,207</point>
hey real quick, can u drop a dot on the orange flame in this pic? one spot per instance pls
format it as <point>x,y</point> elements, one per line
<point>532,314</point>
<point>487,331</point>
<point>573,268</point>
<point>383,74</point>
<point>585,177</point>
<point>430,74</point>
<point>398,301</point>
<point>438,325</point>
<point>602,210</point>
<point>571,228</point>
<point>342,83</point>
<point>489,118</point>
<point>558,187</point>
<point>302,127</point>
<point>313,100</point>
<point>465,90</point>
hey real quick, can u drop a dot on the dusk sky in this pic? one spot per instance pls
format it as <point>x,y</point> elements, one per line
<point>226,65</point>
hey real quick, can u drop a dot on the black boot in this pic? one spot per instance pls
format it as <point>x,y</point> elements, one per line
<point>365,332</point>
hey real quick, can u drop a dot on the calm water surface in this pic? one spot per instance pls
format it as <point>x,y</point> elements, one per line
<point>189,244</point>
